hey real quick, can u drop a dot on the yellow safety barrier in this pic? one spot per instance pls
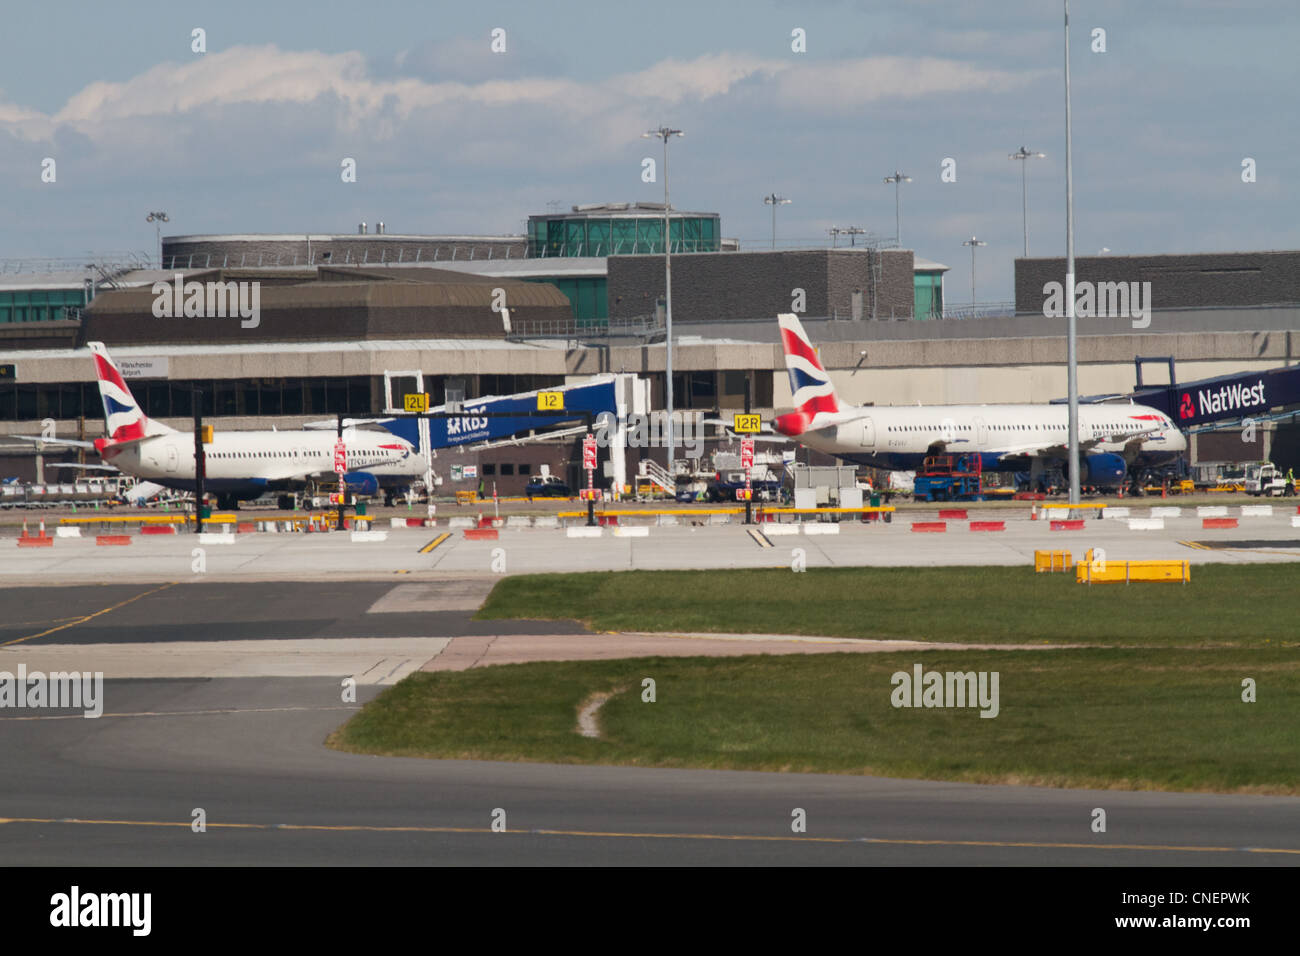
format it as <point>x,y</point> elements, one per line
<point>1070,507</point>
<point>1052,561</point>
<point>1089,571</point>
<point>466,497</point>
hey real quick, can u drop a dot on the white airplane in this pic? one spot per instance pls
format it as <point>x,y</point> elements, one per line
<point>241,464</point>
<point>1113,438</point>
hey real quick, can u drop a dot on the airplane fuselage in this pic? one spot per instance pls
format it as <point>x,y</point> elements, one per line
<point>901,437</point>
<point>251,461</point>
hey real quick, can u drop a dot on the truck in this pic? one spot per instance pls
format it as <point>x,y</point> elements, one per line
<point>949,478</point>
<point>1267,479</point>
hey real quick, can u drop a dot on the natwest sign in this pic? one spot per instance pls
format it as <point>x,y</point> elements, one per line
<point>1236,397</point>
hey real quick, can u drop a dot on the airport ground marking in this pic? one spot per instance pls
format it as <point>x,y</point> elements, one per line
<point>760,539</point>
<point>190,713</point>
<point>87,617</point>
<point>435,542</point>
<point>616,834</point>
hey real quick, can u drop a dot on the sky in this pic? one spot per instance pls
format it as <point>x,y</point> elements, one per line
<point>450,137</point>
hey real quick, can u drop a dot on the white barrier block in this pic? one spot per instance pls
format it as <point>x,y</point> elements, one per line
<point>397,522</point>
<point>462,523</point>
<point>1120,512</point>
<point>216,537</point>
<point>519,521</point>
<point>1257,511</point>
<point>369,535</point>
<point>665,520</point>
<point>1295,521</point>
<point>73,532</point>
<point>632,531</point>
<point>1146,524</point>
<point>771,530</point>
<point>546,521</point>
<point>1212,511</point>
<point>821,528</point>
<point>584,532</point>
<point>719,519</point>
<point>1172,511</point>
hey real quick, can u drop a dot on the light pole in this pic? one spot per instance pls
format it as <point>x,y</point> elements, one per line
<point>774,200</point>
<point>853,232</point>
<point>664,133</point>
<point>157,218</point>
<point>896,179</point>
<point>973,242</point>
<point>1072,363</point>
<point>1024,156</point>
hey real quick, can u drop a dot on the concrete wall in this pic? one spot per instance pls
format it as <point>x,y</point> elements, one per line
<point>722,286</point>
<point>1177,281</point>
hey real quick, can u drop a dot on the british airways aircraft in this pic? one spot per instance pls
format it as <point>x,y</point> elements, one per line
<point>241,464</point>
<point>1113,438</point>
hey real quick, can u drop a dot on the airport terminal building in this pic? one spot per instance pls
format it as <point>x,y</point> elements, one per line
<point>583,294</point>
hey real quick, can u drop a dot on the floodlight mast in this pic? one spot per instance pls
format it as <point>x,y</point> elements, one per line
<point>664,133</point>
<point>1072,361</point>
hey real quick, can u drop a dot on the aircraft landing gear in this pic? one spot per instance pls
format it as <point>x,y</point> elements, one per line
<point>227,502</point>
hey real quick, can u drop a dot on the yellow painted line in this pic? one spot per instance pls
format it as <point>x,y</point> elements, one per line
<point>435,542</point>
<point>616,834</point>
<point>84,619</point>
<point>759,538</point>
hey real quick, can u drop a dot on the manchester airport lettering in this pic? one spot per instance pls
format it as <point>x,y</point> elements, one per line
<point>66,689</point>
<point>954,689</point>
<point>74,909</point>
<point>1125,300</point>
<point>213,300</point>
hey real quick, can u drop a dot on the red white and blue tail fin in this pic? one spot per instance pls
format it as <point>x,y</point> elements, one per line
<point>810,386</point>
<point>124,420</point>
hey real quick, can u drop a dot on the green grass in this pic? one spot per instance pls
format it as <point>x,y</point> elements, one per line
<point>1121,719</point>
<point>1242,606</point>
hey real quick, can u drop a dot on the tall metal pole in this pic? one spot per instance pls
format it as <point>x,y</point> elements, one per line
<point>668,315</point>
<point>774,200</point>
<point>663,132</point>
<point>973,242</point>
<point>1025,156</point>
<point>897,179</point>
<point>1072,367</point>
<point>1024,206</point>
<point>200,459</point>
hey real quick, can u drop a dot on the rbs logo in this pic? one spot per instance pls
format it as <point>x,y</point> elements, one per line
<point>1186,409</point>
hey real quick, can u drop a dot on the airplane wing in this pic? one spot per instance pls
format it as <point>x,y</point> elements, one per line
<point>1132,442</point>
<point>70,442</point>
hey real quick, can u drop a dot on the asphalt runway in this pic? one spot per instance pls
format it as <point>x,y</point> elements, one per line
<point>248,750</point>
<point>397,553</point>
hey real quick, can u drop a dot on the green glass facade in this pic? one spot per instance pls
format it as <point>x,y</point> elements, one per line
<point>928,295</point>
<point>38,305</point>
<point>586,295</point>
<point>573,236</point>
